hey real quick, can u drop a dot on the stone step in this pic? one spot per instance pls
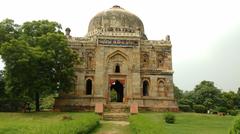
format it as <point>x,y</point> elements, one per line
<point>116,108</point>
<point>117,105</point>
<point>115,116</point>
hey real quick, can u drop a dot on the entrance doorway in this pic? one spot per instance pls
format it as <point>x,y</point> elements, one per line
<point>116,92</point>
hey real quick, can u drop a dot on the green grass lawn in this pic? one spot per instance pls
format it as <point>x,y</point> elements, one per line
<point>186,123</point>
<point>143,123</point>
<point>47,123</point>
<point>108,127</point>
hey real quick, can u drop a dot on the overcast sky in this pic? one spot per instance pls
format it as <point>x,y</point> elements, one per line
<point>205,34</point>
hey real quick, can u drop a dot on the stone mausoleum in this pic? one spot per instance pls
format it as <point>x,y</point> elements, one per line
<point>118,64</point>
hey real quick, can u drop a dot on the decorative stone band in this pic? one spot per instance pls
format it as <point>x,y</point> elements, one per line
<point>104,32</point>
<point>156,72</point>
<point>156,42</point>
<point>118,42</point>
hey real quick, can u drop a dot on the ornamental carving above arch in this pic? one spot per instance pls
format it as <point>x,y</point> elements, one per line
<point>117,56</point>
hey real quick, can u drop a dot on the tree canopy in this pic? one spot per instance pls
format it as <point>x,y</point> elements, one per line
<point>2,85</point>
<point>37,59</point>
<point>208,95</point>
<point>8,30</point>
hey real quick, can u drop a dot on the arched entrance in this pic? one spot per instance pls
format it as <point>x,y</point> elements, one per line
<point>88,87</point>
<point>116,92</point>
<point>145,88</point>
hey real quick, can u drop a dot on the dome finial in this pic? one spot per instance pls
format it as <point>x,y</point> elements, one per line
<point>116,6</point>
<point>67,32</point>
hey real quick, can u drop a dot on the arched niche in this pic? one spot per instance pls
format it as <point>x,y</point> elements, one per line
<point>89,87</point>
<point>117,62</point>
<point>145,88</point>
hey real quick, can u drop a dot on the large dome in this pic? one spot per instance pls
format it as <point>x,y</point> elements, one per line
<point>115,19</point>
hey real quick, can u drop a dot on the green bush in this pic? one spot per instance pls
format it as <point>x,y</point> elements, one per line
<point>222,109</point>
<point>233,112</point>
<point>10,105</point>
<point>199,108</point>
<point>236,127</point>
<point>185,108</point>
<point>213,111</point>
<point>113,94</point>
<point>47,102</point>
<point>169,118</point>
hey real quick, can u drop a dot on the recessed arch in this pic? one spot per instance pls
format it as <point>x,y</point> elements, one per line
<point>161,83</point>
<point>145,88</point>
<point>160,60</point>
<point>117,91</point>
<point>88,87</point>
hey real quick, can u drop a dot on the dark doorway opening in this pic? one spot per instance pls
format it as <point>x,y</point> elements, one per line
<point>145,88</point>
<point>89,87</point>
<point>116,92</point>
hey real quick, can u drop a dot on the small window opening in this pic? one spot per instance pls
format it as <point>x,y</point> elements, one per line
<point>117,69</point>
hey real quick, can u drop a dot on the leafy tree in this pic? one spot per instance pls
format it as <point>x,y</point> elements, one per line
<point>187,98</point>
<point>178,93</point>
<point>206,94</point>
<point>2,85</point>
<point>228,99</point>
<point>8,30</point>
<point>38,61</point>
<point>209,96</point>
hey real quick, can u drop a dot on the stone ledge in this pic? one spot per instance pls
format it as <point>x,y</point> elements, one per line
<point>152,98</point>
<point>80,97</point>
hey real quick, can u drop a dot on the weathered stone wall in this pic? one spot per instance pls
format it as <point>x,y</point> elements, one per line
<point>116,38</point>
<point>145,61</point>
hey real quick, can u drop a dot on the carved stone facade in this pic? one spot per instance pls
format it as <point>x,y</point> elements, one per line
<point>118,61</point>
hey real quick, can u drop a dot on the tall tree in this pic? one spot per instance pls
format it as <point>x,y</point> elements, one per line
<point>237,99</point>
<point>206,94</point>
<point>228,99</point>
<point>38,61</point>
<point>178,93</point>
<point>8,30</point>
<point>2,85</point>
<point>187,98</point>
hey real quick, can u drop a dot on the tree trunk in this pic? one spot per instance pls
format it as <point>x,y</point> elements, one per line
<point>37,102</point>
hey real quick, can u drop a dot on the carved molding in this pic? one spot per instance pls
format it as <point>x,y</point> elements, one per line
<point>144,59</point>
<point>90,58</point>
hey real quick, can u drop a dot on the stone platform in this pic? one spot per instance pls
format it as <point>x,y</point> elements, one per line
<point>116,112</point>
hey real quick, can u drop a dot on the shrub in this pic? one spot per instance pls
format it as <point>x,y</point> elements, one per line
<point>113,95</point>
<point>222,109</point>
<point>169,118</point>
<point>233,112</point>
<point>10,105</point>
<point>236,127</point>
<point>213,111</point>
<point>47,102</point>
<point>185,108</point>
<point>199,109</point>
